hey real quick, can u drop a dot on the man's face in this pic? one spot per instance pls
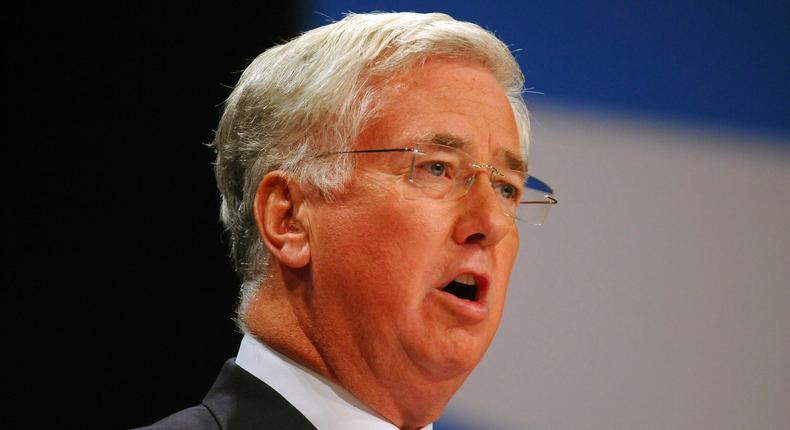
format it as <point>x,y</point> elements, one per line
<point>379,261</point>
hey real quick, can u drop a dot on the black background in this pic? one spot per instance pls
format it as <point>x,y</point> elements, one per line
<point>117,288</point>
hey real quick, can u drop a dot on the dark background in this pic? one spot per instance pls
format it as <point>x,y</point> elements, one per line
<point>117,288</point>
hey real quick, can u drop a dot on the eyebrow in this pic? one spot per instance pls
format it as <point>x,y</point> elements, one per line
<point>447,139</point>
<point>514,161</point>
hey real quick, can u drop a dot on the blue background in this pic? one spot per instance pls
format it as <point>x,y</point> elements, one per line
<point>722,64</point>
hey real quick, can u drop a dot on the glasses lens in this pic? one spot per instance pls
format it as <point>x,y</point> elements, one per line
<point>437,169</point>
<point>533,209</point>
<point>536,202</point>
<point>443,172</point>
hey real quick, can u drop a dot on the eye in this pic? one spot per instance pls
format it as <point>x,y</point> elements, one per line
<point>506,190</point>
<point>437,168</point>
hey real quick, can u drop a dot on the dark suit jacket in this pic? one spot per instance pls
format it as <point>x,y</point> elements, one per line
<point>237,401</point>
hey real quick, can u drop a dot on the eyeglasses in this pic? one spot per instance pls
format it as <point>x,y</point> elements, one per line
<point>443,172</point>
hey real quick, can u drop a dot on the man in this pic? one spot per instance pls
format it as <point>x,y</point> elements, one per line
<point>371,171</point>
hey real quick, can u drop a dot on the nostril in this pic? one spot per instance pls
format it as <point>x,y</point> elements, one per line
<point>475,238</point>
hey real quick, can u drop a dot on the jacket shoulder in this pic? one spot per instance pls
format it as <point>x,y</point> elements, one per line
<point>196,417</point>
<point>237,401</point>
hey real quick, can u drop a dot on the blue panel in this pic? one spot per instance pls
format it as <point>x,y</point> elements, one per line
<point>537,184</point>
<point>718,62</point>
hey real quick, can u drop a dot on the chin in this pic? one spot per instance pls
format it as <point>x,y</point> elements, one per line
<point>451,358</point>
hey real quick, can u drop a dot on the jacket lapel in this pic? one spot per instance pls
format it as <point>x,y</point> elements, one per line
<point>240,401</point>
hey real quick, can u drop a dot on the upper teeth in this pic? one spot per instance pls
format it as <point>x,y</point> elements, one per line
<point>466,279</point>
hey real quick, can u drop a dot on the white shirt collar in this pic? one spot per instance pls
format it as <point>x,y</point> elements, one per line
<point>326,405</point>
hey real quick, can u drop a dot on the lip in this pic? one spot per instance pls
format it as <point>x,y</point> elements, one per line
<point>474,311</point>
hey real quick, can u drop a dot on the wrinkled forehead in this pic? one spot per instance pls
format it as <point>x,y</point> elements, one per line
<point>489,152</point>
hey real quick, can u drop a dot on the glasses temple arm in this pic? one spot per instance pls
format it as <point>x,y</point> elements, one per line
<point>548,200</point>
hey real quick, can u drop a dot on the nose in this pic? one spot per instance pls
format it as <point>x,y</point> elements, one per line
<point>482,220</point>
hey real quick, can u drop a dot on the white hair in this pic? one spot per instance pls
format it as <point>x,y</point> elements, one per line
<point>314,94</point>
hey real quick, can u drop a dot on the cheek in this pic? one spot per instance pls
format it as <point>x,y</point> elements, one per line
<point>377,256</point>
<point>507,252</point>
<point>371,241</point>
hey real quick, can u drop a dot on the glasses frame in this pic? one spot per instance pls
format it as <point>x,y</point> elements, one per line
<point>530,182</point>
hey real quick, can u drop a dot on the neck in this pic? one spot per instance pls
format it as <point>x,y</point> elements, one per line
<point>270,317</point>
<point>279,316</point>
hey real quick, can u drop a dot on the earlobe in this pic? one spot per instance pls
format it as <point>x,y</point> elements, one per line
<point>277,208</point>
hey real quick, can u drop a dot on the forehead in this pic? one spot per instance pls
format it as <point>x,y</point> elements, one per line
<point>452,102</point>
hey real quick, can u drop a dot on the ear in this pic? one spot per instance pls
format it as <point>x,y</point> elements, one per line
<point>277,205</point>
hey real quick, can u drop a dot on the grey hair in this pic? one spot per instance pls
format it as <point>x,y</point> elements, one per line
<point>315,94</point>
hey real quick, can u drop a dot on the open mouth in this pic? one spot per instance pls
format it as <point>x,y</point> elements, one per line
<point>464,287</point>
